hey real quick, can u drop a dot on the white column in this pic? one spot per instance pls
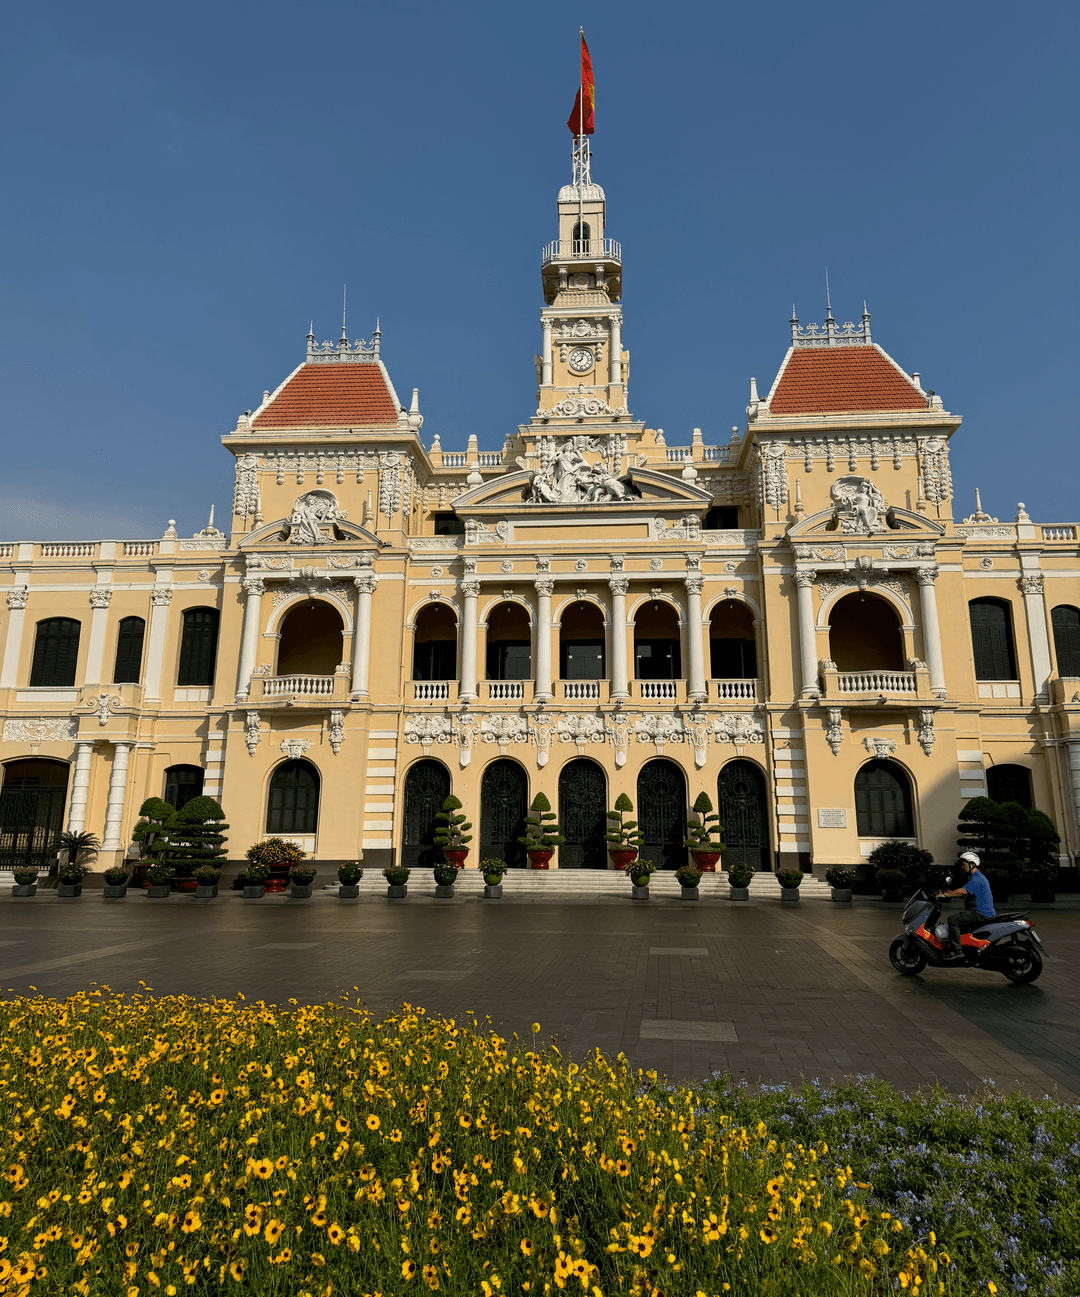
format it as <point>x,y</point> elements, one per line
<point>615,351</point>
<point>114,811</point>
<point>155,652</point>
<point>361,645</point>
<point>1038,640</point>
<point>254,588</point>
<point>804,581</point>
<point>80,787</point>
<point>99,601</point>
<point>545,355</point>
<point>620,679</point>
<point>467,693</point>
<point>695,684</point>
<point>926,576</point>
<point>1074,782</point>
<point>16,602</point>
<point>544,587</point>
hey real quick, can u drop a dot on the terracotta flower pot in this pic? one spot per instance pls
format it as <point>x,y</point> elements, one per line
<point>187,884</point>
<point>621,856</point>
<point>456,855</point>
<point>541,859</point>
<point>139,876</point>
<point>706,860</point>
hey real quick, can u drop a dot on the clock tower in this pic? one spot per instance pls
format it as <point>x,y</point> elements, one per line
<point>581,356</point>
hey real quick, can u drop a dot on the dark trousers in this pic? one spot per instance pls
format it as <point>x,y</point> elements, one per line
<point>965,921</point>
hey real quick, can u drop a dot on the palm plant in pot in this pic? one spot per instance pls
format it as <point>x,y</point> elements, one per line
<point>301,877</point>
<point>196,839</point>
<point>279,855</point>
<point>740,876</point>
<point>689,877</point>
<point>157,819</point>
<point>840,880</point>
<point>452,836</point>
<point>493,871</point>
<point>397,882</point>
<point>207,878</point>
<point>542,834</point>
<point>349,874</point>
<point>789,880</point>
<point>78,848</point>
<point>624,835</point>
<point>703,839</point>
<point>25,882</point>
<point>116,881</point>
<point>159,881</point>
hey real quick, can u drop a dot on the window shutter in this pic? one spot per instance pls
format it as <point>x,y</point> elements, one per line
<point>129,646</point>
<point>56,652</point>
<point>1066,624</point>
<point>991,640</point>
<point>198,648</point>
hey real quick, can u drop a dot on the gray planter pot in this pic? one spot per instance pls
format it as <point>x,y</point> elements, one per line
<point>738,893</point>
<point>639,893</point>
<point>789,896</point>
<point>300,891</point>
<point>842,895</point>
<point>348,891</point>
<point>115,892</point>
<point>158,891</point>
<point>395,891</point>
<point>206,891</point>
<point>69,889</point>
<point>891,894</point>
<point>252,891</point>
<point>24,889</point>
<point>444,892</point>
<point>493,891</point>
<point>689,893</point>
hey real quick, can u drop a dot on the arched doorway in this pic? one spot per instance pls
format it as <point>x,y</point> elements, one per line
<point>732,642</point>
<point>864,635</point>
<point>293,804</point>
<point>657,654</point>
<point>504,799</point>
<point>582,815</point>
<point>743,809</point>
<point>509,656</point>
<point>435,643</point>
<point>581,642</point>
<point>883,801</point>
<point>661,791</point>
<point>427,786</point>
<point>31,812</point>
<point>310,640</point>
<point>1009,784</point>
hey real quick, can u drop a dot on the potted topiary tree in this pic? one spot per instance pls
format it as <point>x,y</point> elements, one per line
<point>789,880</point>
<point>704,841</point>
<point>1036,840</point>
<point>740,877</point>
<point>301,877</point>
<point>207,878</point>
<point>640,871</point>
<point>25,882</point>
<point>493,870</point>
<point>689,877</point>
<point>840,881</point>
<point>897,865</point>
<point>623,834</point>
<point>349,874</point>
<point>116,881</point>
<point>152,834</point>
<point>196,839</point>
<point>279,855</point>
<point>452,836</point>
<point>254,879</point>
<point>78,848</point>
<point>159,881</point>
<point>542,834</point>
<point>397,882</point>
<point>892,883</point>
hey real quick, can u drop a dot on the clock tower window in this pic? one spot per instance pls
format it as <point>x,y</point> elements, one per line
<point>582,237</point>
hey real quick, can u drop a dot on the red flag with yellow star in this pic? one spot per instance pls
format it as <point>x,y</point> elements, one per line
<point>581,119</point>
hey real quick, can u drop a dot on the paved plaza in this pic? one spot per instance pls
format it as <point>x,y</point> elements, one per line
<point>689,988</point>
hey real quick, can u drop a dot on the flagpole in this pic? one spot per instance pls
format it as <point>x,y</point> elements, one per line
<point>581,144</point>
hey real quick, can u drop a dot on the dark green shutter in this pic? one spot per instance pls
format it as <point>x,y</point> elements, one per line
<point>129,646</point>
<point>1066,624</point>
<point>198,648</point>
<point>991,640</point>
<point>56,652</point>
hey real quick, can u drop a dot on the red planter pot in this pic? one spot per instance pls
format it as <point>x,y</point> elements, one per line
<point>541,859</point>
<point>621,856</point>
<point>706,860</point>
<point>139,875</point>
<point>278,878</point>
<point>186,884</point>
<point>456,855</point>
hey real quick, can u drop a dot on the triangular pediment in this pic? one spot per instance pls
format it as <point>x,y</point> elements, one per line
<point>897,522</point>
<point>646,490</point>
<point>343,532</point>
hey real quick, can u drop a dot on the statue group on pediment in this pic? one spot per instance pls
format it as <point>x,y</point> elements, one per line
<point>860,506</point>
<point>567,477</point>
<point>311,515</point>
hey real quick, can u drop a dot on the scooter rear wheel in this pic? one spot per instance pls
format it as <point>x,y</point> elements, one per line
<point>905,959</point>
<point>1021,963</point>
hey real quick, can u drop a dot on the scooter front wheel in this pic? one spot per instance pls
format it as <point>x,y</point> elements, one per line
<point>1021,963</point>
<point>906,959</point>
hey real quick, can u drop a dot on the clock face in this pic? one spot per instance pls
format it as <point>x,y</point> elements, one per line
<point>581,359</point>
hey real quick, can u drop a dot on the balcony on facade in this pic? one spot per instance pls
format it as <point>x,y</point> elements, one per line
<point>434,691</point>
<point>301,688</point>
<point>588,250</point>
<point>874,686</point>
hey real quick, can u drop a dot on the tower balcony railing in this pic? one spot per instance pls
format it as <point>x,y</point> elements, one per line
<point>609,250</point>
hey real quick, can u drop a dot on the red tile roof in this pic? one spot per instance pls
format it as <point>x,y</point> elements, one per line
<point>330,396</point>
<point>836,379</point>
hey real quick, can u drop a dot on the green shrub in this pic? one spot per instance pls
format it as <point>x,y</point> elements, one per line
<point>196,837</point>
<point>302,875</point>
<point>397,877</point>
<point>256,874</point>
<point>207,875</point>
<point>623,834</point>
<point>891,878</point>
<point>741,875</point>
<point>541,831</point>
<point>350,873</point>
<point>688,875</point>
<point>453,833</point>
<point>838,876</point>
<point>790,877</point>
<point>638,869</point>
<point>906,857</point>
<point>160,874</point>
<point>154,827</point>
<point>79,847</point>
<point>492,868</point>
<point>275,852</point>
<point>705,831</point>
<point>117,876</point>
<point>25,877</point>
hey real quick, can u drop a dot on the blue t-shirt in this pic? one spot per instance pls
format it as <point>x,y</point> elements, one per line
<point>978,887</point>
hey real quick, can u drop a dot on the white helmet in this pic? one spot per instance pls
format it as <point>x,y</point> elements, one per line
<point>971,858</point>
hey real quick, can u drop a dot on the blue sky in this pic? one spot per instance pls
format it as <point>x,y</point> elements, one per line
<point>187,185</point>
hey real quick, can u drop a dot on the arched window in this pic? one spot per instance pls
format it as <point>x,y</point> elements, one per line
<point>508,654</point>
<point>582,238</point>
<point>129,644</point>
<point>732,645</point>
<point>583,815</point>
<point>661,808</point>
<point>198,647</point>
<point>31,812</point>
<point>581,642</point>
<point>1009,784</point>
<point>744,819</point>
<point>435,643</point>
<point>504,799</point>
<point>310,641</point>
<point>56,652</point>
<point>721,518</point>
<point>657,654</point>
<point>883,801</point>
<point>992,640</point>
<point>427,786</point>
<point>182,783</point>
<point>293,805</point>
<point>1066,624</point>
<point>864,635</point>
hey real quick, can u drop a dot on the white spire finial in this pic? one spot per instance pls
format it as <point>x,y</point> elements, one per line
<point>828,299</point>
<point>344,291</point>
<point>211,522</point>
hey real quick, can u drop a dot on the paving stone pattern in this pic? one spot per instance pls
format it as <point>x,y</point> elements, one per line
<point>763,992</point>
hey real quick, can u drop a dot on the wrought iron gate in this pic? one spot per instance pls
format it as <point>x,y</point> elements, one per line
<point>741,803</point>
<point>661,790</point>
<point>582,815</point>
<point>504,796</point>
<point>31,815</point>
<point>427,786</point>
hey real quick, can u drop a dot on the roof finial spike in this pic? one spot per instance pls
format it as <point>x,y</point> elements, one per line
<point>210,524</point>
<point>828,299</point>
<point>344,291</point>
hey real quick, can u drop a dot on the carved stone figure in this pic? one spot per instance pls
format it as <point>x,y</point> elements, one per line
<point>859,505</point>
<point>311,513</point>
<point>567,477</point>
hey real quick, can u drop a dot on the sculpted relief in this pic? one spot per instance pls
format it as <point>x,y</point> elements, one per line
<point>860,506</point>
<point>565,476</point>
<point>311,514</point>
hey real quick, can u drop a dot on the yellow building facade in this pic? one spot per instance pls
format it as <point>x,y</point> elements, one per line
<point>792,621</point>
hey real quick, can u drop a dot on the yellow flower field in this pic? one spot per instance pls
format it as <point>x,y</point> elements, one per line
<point>168,1145</point>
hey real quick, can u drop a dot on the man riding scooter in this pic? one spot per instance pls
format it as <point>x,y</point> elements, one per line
<point>978,902</point>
